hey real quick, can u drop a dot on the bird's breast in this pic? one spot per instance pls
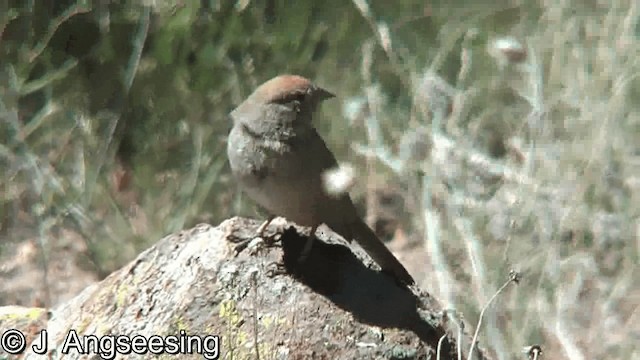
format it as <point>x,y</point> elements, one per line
<point>273,174</point>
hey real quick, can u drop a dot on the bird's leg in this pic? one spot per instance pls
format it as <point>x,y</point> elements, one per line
<point>308,245</point>
<point>264,226</point>
<point>259,234</point>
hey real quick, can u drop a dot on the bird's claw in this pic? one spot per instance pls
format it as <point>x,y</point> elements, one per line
<point>255,244</point>
<point>274,269</point>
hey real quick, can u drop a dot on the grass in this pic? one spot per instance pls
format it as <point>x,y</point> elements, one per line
<point>509,133</point>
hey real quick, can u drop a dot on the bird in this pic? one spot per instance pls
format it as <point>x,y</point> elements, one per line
<point>277,157</point>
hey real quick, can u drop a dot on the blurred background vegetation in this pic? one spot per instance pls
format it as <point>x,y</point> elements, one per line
<point>486,135</point>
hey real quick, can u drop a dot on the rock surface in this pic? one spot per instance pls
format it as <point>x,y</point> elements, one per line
<point>262,302</point>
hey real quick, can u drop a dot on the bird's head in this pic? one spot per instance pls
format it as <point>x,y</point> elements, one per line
<point>285,99</point>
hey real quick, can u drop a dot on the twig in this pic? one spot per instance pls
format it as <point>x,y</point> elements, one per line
<point>132,66</point>
<point>513,277</point>
<point>439,349</point>
<point>55,24</point>
<point>46,80</point>
<point>254,281</point>
<point>9,16</point>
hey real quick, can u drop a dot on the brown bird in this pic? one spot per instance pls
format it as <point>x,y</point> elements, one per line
<point>278,158</point>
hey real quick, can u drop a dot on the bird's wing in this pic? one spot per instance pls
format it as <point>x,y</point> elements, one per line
<point>338,210</point>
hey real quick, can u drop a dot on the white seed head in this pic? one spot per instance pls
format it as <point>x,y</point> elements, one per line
<point>338,180</point>
<point>507,50</point>
<point>435,93</point>
<point>415,147</point>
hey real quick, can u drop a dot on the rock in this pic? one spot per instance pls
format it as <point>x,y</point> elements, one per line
<point>261,305</point>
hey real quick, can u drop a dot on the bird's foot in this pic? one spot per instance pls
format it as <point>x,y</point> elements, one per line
<point>264,226</point>
<point>253,245</point>
<point>259,241</point>
<point>274,269</point>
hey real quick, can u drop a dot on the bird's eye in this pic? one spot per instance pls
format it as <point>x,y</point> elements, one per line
<point>299,97</point>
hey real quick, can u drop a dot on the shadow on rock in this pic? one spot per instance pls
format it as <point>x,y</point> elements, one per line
<point>373,297</point>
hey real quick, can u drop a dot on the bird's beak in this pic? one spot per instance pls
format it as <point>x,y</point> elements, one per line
<point>323,94</point>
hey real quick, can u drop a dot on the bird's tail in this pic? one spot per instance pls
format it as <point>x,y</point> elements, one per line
<point>368,240</point>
